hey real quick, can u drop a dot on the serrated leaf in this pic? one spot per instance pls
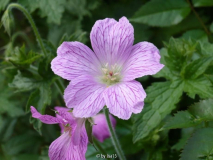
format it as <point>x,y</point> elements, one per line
<point>52,10</point>
<point>182,119</point>
<point>201,86</point>
<point>199,146</point>
<point>160,101</point>
<point>162,12</point>
<point>178,50</point>
<point>22,59</point>
<point>203,110</point>
<point>205,48</point>
<point>202,3</point>
<point>185,135</point>
<point>165,71</point>
<point>3,4</point>
<point>196,68</point>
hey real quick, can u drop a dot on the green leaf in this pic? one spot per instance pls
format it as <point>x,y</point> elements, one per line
<point>9,106</point>
<point>40,98</point>
<point>182,119</point>
<point>203,110</point>
<point>52,10</point>
<point>165,72</point>
<point>202,3</point>
<point>77,36</point>
<point>197,113</point>
<point>196,34</point>
<point>26,157</point>
<point>7,21</point>
<point>88,127</point>
<point>160,101</point>
<point>22,59</point>
<point>20,143</point>
<point>162,12</point>
<point>178,50</point>
<point>199,146</point>
<point>201,86</point>
<point>196,68</point>
<point>9,129</point>
<point>22,83</point>
<point>185,135</point>
<point>3,4</point>
<point>205,48</point>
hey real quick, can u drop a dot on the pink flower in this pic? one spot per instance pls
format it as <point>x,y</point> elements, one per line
<point>72,144</point>
<point>100,128</point>
<point>106,76</point>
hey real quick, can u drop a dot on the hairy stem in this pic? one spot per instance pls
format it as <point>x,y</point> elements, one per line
<point>27,14</point>
<point>114,136</point>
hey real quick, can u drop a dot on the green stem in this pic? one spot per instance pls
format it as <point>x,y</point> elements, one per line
<point>58,83</point>
<point>59,86</point>
<point>114,136</point>
<point>199,19</point>
<point>26,13</point>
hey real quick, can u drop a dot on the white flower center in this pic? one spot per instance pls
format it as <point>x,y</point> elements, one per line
<point>111,74</point>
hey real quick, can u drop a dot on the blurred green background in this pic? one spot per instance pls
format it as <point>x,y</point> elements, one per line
<point>26,78</point>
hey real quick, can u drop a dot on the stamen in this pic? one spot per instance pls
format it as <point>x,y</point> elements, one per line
<point>112,79</point>
<point>110,74</point>
<point>104,70</point>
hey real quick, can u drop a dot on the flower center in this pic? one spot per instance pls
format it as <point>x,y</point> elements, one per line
<point>110,74</point>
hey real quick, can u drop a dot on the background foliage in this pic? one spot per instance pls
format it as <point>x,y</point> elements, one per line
<point>176,122</point>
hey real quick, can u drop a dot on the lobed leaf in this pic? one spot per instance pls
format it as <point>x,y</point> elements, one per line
<point>182,119</point>
<point>53,11</point>
<point>196,68</point>
<point>160,101</point>
<point>199,146</point>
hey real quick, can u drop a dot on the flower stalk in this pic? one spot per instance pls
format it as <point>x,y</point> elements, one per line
<point>30,19</point>
<point>114,136</point>
<point>58,83</point>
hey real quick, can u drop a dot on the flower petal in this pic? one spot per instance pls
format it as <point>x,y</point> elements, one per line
<point>122,99</point>
<point>100,128</point>
<point>78,129</point>
<point>144,60</point>
<point>74,59</point>
<point>112,40</point>
<point>67,116</point>
<point>64,149</point>
<point>45,118</point>
<point>85,96</point>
